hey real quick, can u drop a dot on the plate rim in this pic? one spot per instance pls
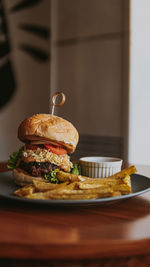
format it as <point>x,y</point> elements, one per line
<point>55,202</point>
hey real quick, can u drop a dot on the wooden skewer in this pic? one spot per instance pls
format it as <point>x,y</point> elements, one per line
<point>54,100</point>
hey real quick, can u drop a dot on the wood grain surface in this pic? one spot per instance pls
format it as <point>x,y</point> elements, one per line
<point>116,230</point>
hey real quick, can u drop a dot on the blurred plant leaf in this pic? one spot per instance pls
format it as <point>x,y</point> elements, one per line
<point>4,49</point>
<point>36,53</point>
<point>40,31</point>
<point>7,83</point>
<point>24,4</point>
<point>7,78</point>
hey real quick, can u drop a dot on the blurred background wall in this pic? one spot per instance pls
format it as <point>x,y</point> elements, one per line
<point>139,104</point>
<point>90,64</point>
<point>88,61</point>
<point>27,36</point>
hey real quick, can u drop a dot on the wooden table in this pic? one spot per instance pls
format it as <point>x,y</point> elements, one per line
<point>102,235</point>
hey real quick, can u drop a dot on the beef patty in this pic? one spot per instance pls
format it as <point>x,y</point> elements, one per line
<point>37,168</point>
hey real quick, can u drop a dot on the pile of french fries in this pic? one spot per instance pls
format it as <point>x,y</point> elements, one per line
<point>77,187</point>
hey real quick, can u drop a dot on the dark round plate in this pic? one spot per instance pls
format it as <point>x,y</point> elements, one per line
<point>140,185</point>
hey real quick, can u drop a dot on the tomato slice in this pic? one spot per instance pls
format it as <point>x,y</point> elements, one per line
<point>31,147</point>
<point>55,149</point>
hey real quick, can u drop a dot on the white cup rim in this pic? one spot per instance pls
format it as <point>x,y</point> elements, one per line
<point>97,159</point>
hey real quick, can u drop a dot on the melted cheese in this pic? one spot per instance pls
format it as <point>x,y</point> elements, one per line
<point>43,155</point>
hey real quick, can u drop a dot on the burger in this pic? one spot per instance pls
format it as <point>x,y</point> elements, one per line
<point>48,142</point>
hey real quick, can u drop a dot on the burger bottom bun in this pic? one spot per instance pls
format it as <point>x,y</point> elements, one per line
<point>23,178</point>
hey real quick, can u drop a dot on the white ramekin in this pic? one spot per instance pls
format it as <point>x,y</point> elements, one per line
<point>99,167</point>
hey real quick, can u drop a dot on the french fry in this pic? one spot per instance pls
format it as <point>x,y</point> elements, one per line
<point>127,180</point>
<point>80,197</point>
<point>74,197</point>
<point>26,190</point>
<point>125,172</point>
<point>44,186</point>
<point>102,182</point>
<point>86,185</point>
<point>63,176</point>
<point>123,186</point>
<point>68,190</point>
<point>123,189</point>
<point>77,187</point>
<point>72,186</point>
<point>71,194</point>
<point>116,194</point>
<point>63,196</point>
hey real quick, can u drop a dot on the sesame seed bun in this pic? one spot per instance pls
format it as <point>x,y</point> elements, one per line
<point>49,129</point>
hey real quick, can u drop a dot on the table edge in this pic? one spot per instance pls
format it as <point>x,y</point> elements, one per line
<point>97,250</point>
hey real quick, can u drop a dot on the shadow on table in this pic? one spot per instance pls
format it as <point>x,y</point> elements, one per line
<point>127,209</point>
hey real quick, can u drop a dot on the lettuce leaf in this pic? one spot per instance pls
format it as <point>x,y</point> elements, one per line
<point>13,159</point>
<point>51,176</point>
<point>76,169</point>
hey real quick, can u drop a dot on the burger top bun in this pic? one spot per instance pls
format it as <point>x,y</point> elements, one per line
<point>49,129</point>
<point>22,178</point>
